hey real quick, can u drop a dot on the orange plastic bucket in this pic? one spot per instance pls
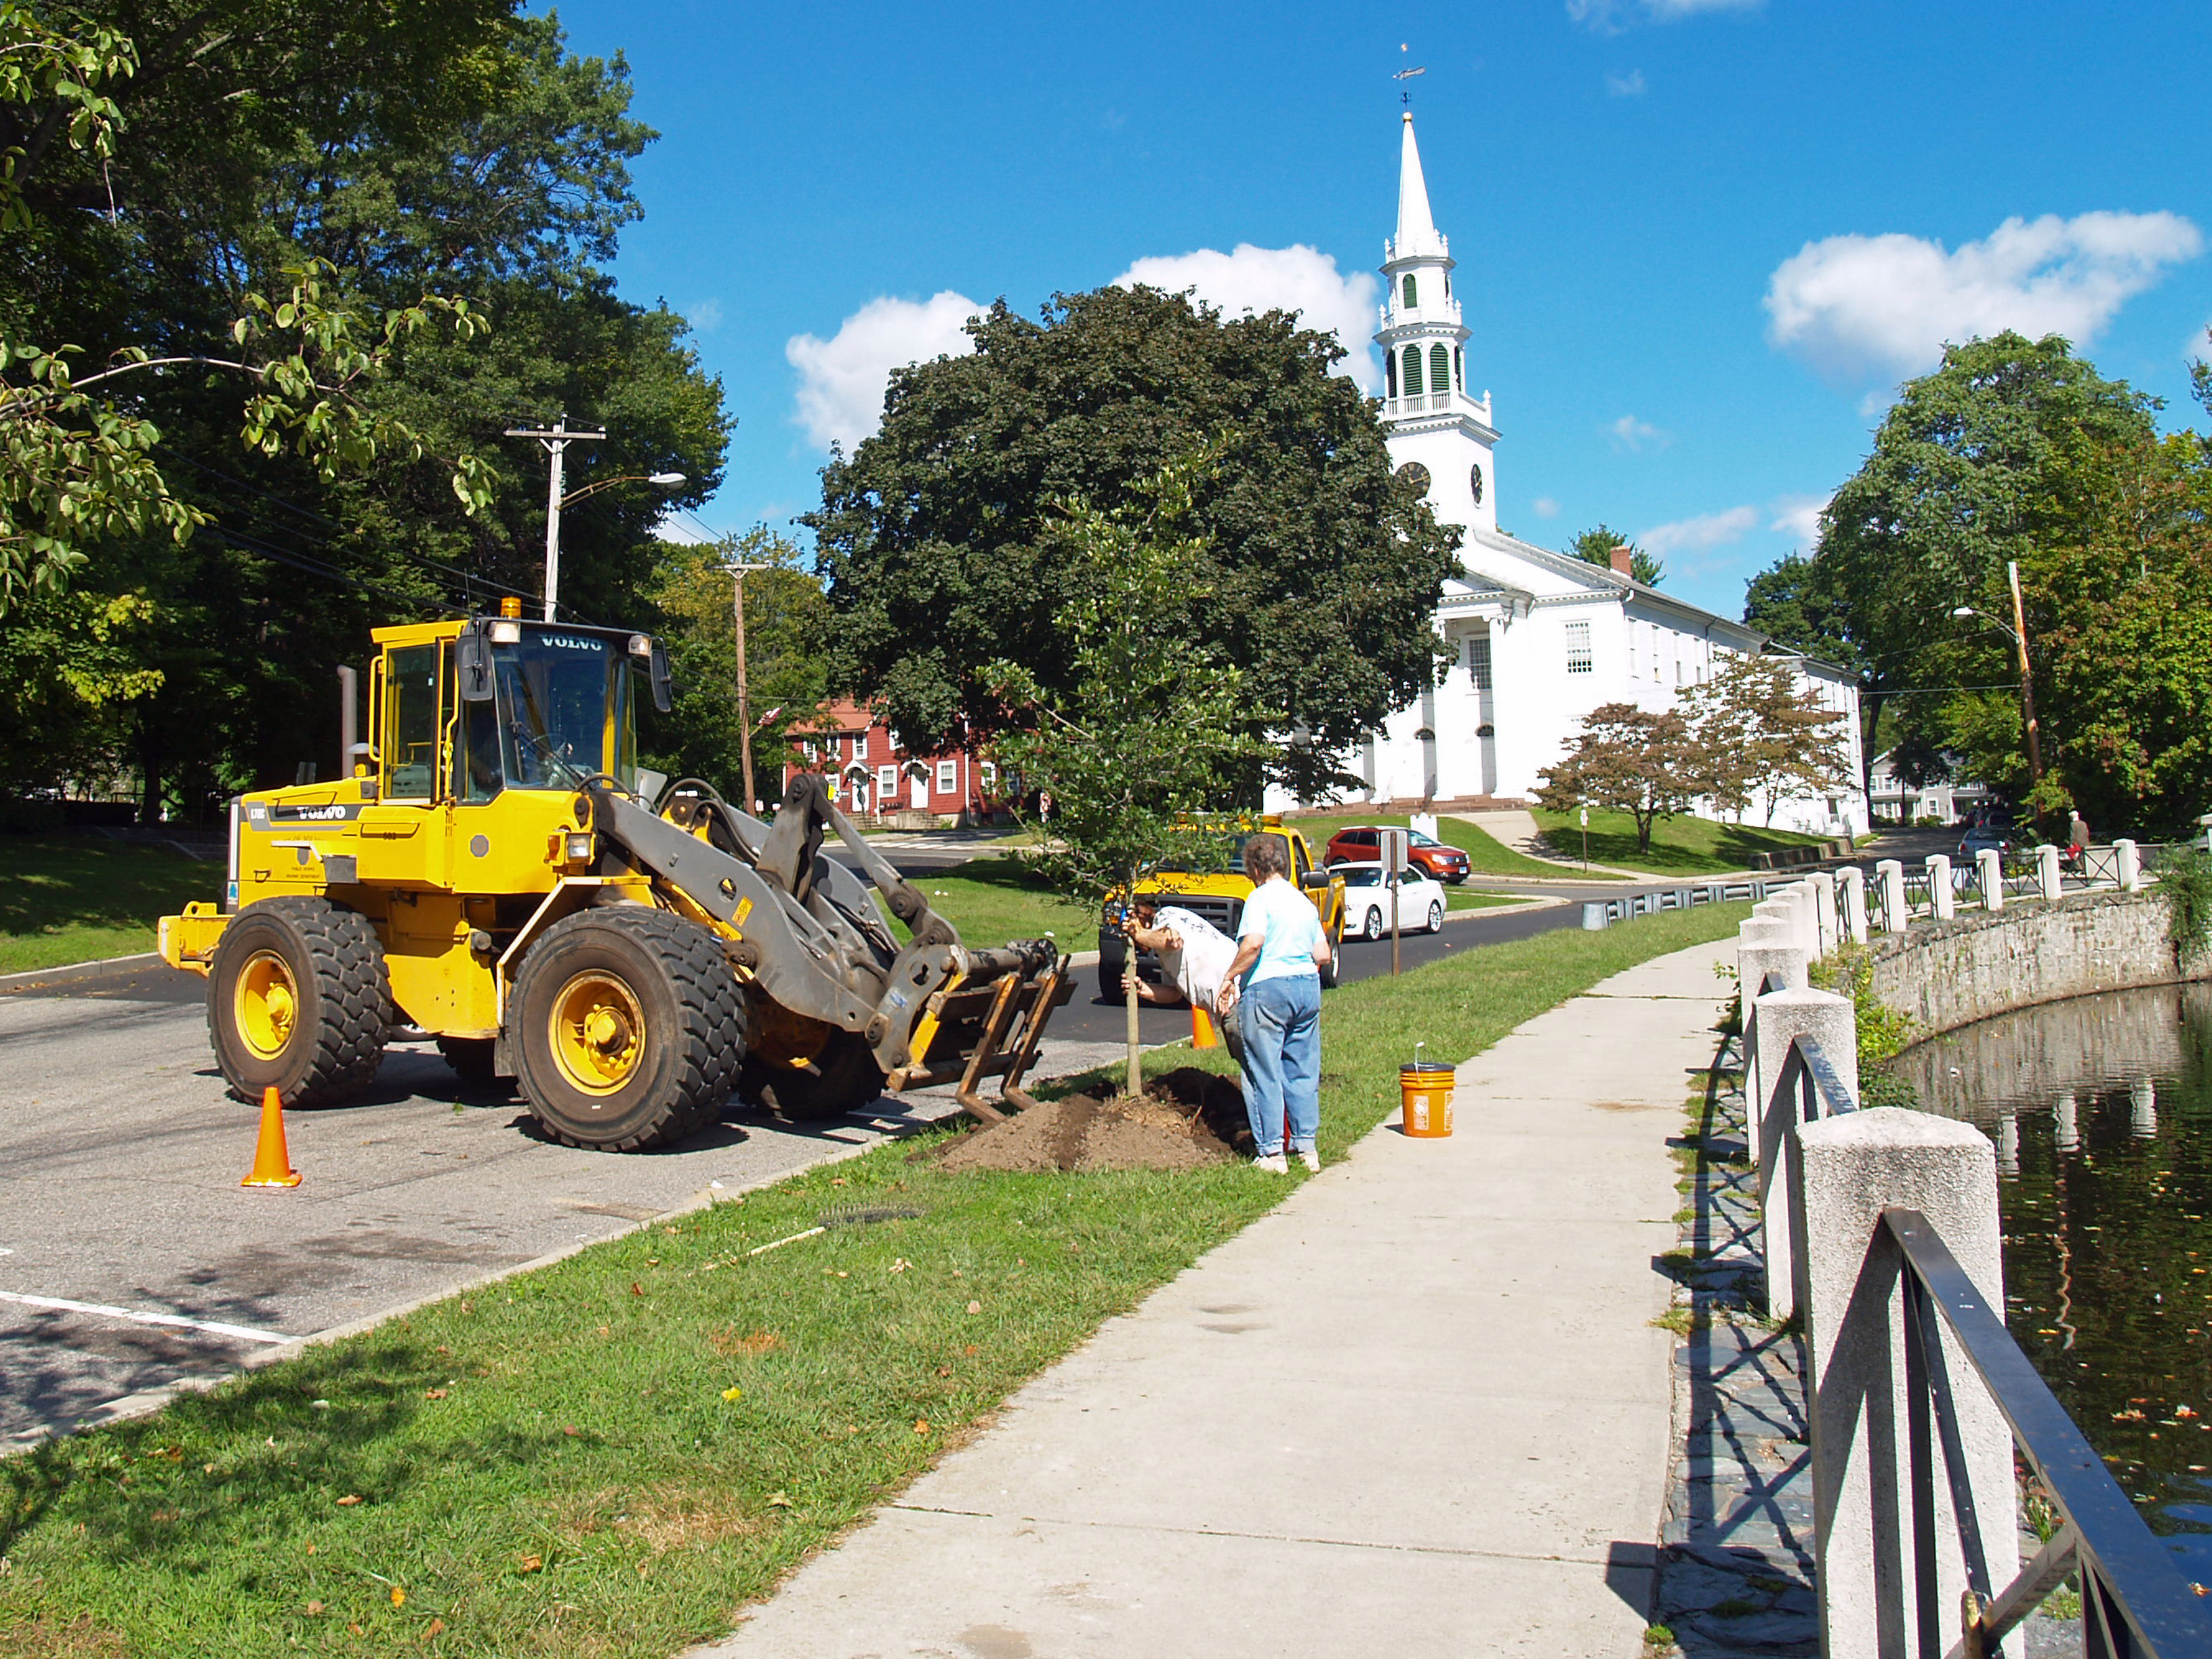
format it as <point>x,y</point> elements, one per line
<point>1426,1090</point>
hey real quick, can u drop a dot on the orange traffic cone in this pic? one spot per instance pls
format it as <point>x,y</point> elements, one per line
<point>272,1164</point>
<point>1203,1032</point>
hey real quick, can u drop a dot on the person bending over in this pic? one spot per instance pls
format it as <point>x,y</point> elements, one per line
<point>1193,953</point>
<point>1275,980</point>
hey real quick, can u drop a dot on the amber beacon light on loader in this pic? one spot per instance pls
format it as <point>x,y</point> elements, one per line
<point>500,871</point>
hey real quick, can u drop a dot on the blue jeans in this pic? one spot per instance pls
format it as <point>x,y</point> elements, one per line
<point>1282,1061</point>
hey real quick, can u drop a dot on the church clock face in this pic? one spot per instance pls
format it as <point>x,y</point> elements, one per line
<point>1416,475</point>
<point>1475,482</point>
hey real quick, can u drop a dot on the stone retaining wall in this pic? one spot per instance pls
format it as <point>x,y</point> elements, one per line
<point>1946,973</point>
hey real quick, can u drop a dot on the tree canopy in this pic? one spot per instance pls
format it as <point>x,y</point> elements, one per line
<point>448,148</point>
<point>1320,572</point>
<point>2016,450</point>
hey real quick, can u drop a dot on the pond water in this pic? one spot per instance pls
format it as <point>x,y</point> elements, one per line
<point>2101,1109</point>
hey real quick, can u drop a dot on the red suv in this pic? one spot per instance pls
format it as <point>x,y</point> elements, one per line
<point>1362,844</point>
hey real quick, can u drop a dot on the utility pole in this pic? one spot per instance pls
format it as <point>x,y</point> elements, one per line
<point>557,442</point>
<point>738,573</point>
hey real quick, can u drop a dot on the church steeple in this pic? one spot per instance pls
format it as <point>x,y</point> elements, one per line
<point>1431,419</point>
<point>1417,231</point>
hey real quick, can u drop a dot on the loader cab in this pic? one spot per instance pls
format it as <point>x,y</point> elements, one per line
<point>465,711</point>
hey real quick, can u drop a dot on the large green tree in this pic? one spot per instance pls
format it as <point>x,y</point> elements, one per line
<point>1964,477</point>
<point>454,147</point>
<point>1596,546</point>
<point>1320,572</point>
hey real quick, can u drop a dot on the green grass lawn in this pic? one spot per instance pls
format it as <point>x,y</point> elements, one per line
<point>992,900</point>
<point>609,1456</point>
<point>70,898</point>
<point>1683,845</point>
<point>1459,898</point>
<point>1488,855</point>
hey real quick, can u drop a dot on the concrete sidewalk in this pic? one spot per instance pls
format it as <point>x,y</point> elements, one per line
<point>1419,1410</point>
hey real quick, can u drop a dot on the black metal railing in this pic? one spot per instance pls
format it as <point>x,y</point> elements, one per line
<point>2135,1603</point>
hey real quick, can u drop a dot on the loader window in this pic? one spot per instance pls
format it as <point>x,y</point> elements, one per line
<point>411,745</point>
<point>564,709</point>
<point>478,769</point>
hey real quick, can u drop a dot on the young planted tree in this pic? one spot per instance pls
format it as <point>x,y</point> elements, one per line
<point>1759,738</point>
<point>1141,729</point>
<point>1629,760</point>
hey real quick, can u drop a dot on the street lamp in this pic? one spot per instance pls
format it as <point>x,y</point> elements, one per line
<point>2018,634</point>
<point>556,442</point>
<point>746,727</point>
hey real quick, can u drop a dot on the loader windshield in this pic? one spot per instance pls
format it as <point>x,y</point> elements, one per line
<point>564,709</point>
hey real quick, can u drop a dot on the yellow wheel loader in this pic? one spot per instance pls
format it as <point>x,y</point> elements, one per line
<point>499,872</point>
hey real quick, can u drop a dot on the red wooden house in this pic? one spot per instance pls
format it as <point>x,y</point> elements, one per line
<point>871,777</point>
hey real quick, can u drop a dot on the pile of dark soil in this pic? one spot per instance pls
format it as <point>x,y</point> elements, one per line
<point>1176,1126</point>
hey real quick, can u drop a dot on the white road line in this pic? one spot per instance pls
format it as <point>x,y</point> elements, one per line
<point>245,1332</point>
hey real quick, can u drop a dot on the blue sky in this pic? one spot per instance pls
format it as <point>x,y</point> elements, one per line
<point>1700,241</point>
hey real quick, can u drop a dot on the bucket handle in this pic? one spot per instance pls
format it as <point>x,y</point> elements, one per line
<point>1417,1056</point>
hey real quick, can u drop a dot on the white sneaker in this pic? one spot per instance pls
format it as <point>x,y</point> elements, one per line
<point>1311,1159</point>
<point>1274,1164</point>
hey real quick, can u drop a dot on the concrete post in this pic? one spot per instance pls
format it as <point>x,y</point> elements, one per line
<point>1756,958</point>
<point>2130,857</point>
<point>1941,899</point>
<point>1808,920</point>
<point>1592,917</point>
<point>1850,883</point>
<point>1851,1170</point>
<point>1783,1017</point>
<point>1824,908</point>
<point>1990,864</point>
<point>2046,865</point>
<point>1895,916</point>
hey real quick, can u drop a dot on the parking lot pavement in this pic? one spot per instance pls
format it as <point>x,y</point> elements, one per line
<point>120,1156</point>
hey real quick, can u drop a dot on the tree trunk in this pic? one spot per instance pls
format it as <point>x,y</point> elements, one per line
<point>1136,1078</point>
<point>150,772</point>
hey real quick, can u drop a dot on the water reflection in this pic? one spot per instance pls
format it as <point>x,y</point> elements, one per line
<point>2101,1111</point>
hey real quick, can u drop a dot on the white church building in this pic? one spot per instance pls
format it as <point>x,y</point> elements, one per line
<point>1539,638</point>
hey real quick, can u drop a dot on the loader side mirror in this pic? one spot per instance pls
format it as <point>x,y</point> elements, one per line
<point>664,688</point>
<point>472,663</point>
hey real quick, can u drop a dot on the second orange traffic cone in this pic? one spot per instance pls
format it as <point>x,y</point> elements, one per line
<point>273,1162</point>
<point>1203,1032</point>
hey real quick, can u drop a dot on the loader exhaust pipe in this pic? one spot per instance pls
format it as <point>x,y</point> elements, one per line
<point>348,718</point>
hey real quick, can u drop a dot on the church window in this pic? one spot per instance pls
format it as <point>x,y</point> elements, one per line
<point>1578,648</point>
<point>1459,368</point>
<point>1407,289</point>
<point>1391,366</point>
<point>1439,369</point>
<point>1478,660</point>
<point>1413,371</point>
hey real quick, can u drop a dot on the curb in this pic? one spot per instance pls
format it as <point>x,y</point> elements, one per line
<point>75,970</point>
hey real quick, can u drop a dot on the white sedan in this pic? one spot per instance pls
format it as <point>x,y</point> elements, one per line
<point>1367,901</point>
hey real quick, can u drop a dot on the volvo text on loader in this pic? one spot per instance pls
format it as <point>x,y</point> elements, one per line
<point>500,871</point>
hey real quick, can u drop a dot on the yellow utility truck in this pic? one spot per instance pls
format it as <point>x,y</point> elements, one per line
<point>1218,895</point>
<point>500,871</point>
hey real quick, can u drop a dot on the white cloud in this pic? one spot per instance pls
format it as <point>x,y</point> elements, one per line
<point>1853,306</point>
<point>1707,530</point>
<point>705,317</point>
<point>1546,508</point>
<point>1798,517</point>
<point>2199,346</point>
<point>1296,278</point>
<point>1630,85</point>
<point>682,529</point>
<point>1611,16</point>
<point>841,379</point>
<point>1636,436</point>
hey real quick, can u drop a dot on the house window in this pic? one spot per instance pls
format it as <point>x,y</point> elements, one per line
<point>948,777</point>
<point>860,746</point>
<point>886,782</point>
<point>1407,289</point>
<point>1439,367</point>
<point>1478,660</point>
<point>1578,648</point>
<point>1412,368</point>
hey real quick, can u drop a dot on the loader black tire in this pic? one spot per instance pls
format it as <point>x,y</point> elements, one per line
<point>843,1078</point>
<point>627,1028</point>
<point>298,998</point>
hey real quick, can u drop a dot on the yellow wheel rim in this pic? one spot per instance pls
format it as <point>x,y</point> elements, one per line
<point>597,1033</point>
<point>266,1004</point>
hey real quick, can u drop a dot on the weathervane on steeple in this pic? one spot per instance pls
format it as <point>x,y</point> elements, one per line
<point>1406,94</point>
